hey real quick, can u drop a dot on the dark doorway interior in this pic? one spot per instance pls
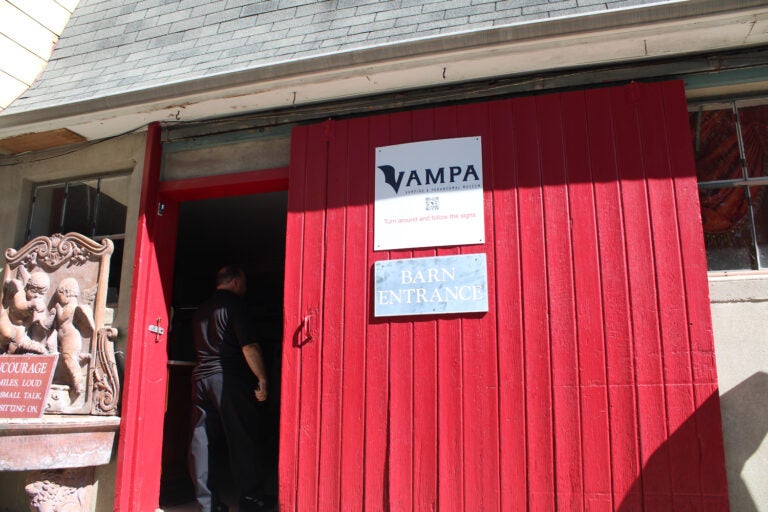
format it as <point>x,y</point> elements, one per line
<point>244,230</point>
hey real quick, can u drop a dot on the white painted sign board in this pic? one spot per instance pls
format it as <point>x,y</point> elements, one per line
<point>429,286</point>
<point>429,194</point>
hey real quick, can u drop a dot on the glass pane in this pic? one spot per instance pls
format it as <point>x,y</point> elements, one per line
<point>760,207</point>
<point>113,201</point>
<point>46,213</point>
<point>715,145</point>
<point>727,228</point>
<point>80,208</point>
<point>754,131</point>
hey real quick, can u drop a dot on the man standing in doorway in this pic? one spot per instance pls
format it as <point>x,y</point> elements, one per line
<point>229,386</point>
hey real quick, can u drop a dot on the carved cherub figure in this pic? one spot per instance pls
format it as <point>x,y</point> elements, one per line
<point>22,307</point>
<point>73,322</point>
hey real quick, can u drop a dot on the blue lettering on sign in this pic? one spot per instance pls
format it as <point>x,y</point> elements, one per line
<point>426,286</point>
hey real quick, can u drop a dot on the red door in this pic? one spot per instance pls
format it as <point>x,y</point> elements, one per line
<point>137,486</point>
<point>590,384</point>
<point>144,390</point>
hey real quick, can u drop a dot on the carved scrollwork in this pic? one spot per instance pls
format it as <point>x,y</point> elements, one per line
<point>106,382</point>
<point>56,250</point>
<point>53,301</point>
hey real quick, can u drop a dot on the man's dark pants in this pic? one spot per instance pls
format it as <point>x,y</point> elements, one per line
<point>224,406</point>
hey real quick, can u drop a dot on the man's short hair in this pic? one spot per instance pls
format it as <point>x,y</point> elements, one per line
<point>228,273</point>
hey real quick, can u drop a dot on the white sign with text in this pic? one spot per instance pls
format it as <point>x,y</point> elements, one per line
<point>428,286</point>
<point>429,194</point>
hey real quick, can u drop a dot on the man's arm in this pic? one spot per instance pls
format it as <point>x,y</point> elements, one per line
<point>255,360</point>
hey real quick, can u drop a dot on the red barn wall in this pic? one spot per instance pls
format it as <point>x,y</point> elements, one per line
<point>590,384</point>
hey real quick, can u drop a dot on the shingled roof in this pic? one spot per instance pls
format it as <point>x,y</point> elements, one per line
<point>112,47</point>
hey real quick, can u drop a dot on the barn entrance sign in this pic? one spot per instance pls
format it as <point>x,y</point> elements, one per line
<point>429,194</point>
<point>425,286</point>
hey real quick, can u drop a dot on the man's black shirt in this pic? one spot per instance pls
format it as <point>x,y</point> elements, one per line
<point>221,327</point>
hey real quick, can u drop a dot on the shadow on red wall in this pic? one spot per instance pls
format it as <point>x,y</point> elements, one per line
<point>661,488</point>
<point>745,416</point>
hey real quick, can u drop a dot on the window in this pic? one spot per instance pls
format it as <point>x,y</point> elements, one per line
<point>94,207</point>
<point>731,149</point>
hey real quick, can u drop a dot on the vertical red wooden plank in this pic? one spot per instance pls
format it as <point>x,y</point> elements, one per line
<point>312,299</point>
<point>159,300</point>
<point>140,441</point>
<point>333,318</point>
<point>478,421</point>
<point>655,485</point>
<point>128,482</point>
<point>400,374</point>
<point>664,229</point>
<point>596,448</point>
<point>290,398</point>
<point>564,352</point>
<point>538,382</point>
<point>683,444</point>
<point>481,448</point>
<point>487,331</point>
<point>355,318</point>
<point>691,235</point>
<point>620,374</point>
<point>512,393</point>
<point>424,373</point>
<point>450,385</point>
<point>377,359</point>
<point>708,420</point>
<point>645,328</point>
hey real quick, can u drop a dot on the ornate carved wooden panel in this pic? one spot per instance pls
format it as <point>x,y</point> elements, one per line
<point>53,302</point>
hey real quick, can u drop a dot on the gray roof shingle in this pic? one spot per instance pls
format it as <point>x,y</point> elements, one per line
<point>116,46</point>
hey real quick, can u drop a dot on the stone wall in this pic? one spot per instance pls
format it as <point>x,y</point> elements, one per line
<point>122,154</point>
<point>740,323</point>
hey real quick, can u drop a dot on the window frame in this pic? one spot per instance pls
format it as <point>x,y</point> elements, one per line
<point>83,180</point>
<point>67,183</point>
<point>745,181</point>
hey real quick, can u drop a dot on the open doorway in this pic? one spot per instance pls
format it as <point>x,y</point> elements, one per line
<point>248,231</point>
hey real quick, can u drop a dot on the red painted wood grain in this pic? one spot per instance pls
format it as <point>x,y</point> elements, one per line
<point>425,346</point>
<point>355,320</point>
<point>292,318</point>
<point>377,368</point>
<point>311,405</point>
<point>137,485</point>
<point>481,446</point>
<point>509,319</point>
<point>590,380</point>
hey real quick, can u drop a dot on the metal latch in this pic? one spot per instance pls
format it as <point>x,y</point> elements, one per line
<point>156,329</point>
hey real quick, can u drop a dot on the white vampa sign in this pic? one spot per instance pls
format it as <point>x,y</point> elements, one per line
<point>429,194</point>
